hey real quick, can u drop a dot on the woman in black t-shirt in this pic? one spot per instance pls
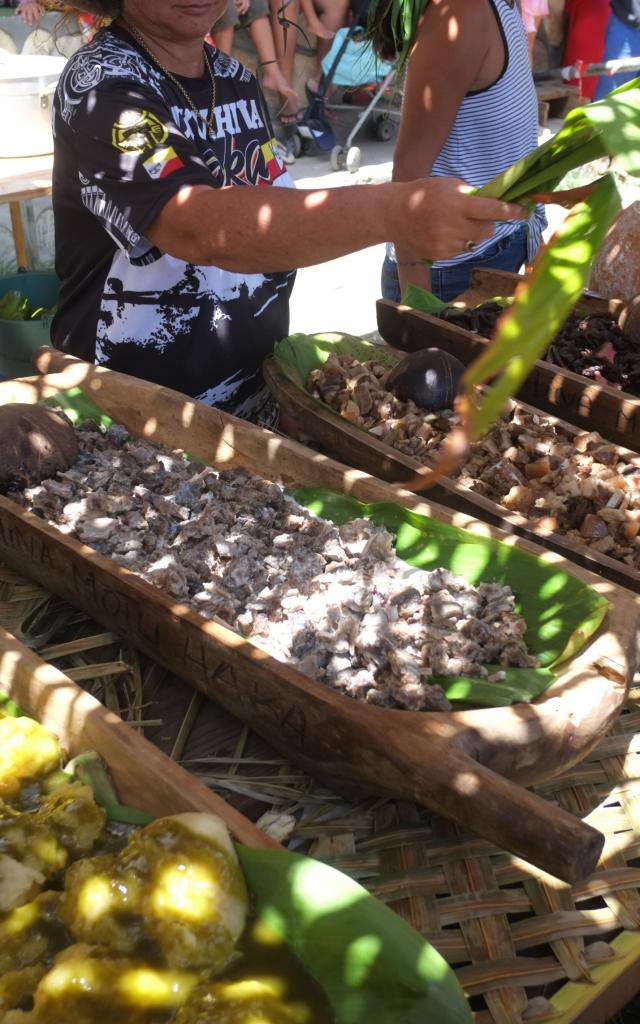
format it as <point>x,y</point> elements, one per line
<point>170,269</point>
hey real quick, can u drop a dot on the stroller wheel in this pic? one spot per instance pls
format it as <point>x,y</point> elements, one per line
<point>384,128</point>
<point>294,143</point>
<point>353,159</point>
<point>338,158</point>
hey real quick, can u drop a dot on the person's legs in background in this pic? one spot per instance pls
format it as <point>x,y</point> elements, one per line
<point>448,282</point>
<point>270,74</point>
<point>284,19</point>
<point>224,28</point>
<point>533,12</point>
<point>585,35</point>
<point>621,41</point>
<point>330,16</point>
<point>389,280</point>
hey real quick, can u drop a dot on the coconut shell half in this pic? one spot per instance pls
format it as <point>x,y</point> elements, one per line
<point>35,443</point>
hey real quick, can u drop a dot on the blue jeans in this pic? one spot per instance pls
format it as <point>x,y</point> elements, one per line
<point>448,282</point>
<point>621,41</point>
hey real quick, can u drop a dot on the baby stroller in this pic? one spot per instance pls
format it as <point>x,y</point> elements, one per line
<point>350,65</point>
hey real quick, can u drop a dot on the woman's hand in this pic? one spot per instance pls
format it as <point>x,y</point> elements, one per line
<point>31,12</point>
<point>438,218</point>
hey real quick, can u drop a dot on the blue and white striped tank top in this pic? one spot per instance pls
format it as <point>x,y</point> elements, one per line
<point>495,127</point>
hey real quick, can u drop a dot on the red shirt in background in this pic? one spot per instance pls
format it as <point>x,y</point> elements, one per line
<point>586,29</point>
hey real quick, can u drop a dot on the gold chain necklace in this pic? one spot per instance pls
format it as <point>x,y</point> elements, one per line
<point>172,78</point>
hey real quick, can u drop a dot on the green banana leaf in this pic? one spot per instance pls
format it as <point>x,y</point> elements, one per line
<point>425,301</point>
<point>9,707</point>
<point>609,127</point>
<point>561,612</point>
<point>79,407</point>
<point>541,305</point>
<point>372,966</point>
<point>299,354</point>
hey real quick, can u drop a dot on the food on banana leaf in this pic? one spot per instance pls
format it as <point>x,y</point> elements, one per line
<point>137,931</point>
<point>577,485</point>
<point>88,985</point>
<point>32,934</point>
<point>246,1001</point>
<point>42,842</point>
<point>333,600</point>
<point>85,986</point>
<point>176,889</point>
<point>28,753</point>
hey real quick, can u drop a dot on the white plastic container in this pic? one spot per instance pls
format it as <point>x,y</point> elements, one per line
<point>27,85</point>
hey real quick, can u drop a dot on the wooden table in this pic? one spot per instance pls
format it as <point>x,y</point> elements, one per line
<point>20,179</point>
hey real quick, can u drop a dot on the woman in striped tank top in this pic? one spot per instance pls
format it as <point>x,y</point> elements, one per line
<point>469,111</point>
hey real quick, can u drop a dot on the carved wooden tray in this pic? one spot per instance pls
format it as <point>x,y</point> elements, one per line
<point>449,761</point>
<point>143,776</point>
<point>308,419</point>
<point>615,414</point>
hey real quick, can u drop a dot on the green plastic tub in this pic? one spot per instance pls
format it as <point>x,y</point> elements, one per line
<point>19,339</point>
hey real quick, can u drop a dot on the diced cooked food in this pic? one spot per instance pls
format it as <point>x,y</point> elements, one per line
<point>30,938</point>
<point>157,929</point>
<point>35,845</point>
<point>32,934</point>
<point>334,600</point>
<point>91,986</point>
<point>573,484</point>
<point>246,1001</point>
<point>176,890</point>
<point>27,752</point>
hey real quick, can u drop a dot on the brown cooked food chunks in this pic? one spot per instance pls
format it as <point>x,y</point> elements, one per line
<point>36,442</point>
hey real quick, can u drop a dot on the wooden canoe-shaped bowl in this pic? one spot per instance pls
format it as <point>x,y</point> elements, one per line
<point>307,418</point>
<point>615,414</point>
<point>460,763</point>
<point>144,777</point>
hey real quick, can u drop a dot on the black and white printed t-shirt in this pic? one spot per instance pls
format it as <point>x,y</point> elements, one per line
<point>125,143</point>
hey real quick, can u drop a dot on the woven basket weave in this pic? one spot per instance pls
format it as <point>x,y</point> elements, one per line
<point>525,946</point>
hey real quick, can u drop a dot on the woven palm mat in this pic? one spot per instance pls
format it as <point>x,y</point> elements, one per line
<point>525,946</point>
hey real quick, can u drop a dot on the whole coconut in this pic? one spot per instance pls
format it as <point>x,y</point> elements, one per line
<point>35,443</point>
<point>616,269</point>
<point>430,378</point>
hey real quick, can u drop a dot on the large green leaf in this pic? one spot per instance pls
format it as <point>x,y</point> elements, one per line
<point>610,127</point>
<point>425,301</point>
<point>542,304</point>
<point>78,407</point>
<point>373,967</point>
<point>560,610</point>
